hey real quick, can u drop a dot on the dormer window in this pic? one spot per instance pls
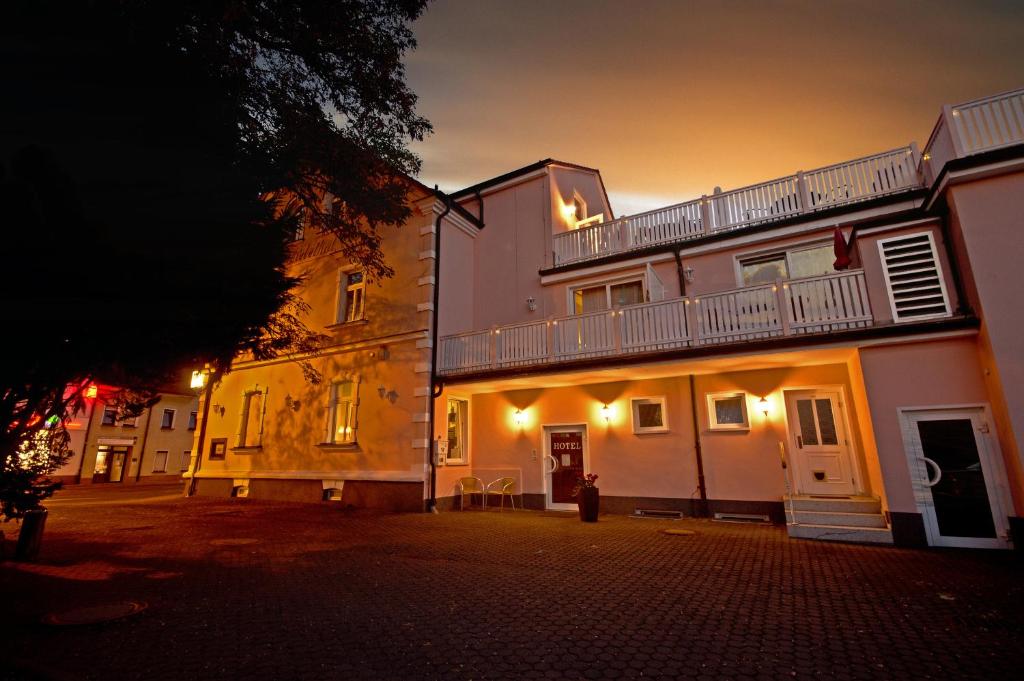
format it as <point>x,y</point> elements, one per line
<point>579,208</point>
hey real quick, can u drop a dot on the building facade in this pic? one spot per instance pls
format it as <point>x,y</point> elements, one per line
<point>838,349</point>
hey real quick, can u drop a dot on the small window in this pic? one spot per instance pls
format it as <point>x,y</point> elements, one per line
<point>192,416</point>
<point>218,449</point>
<point>728,411</point>
<point>186,459</point>
<point>167,421</point>
<point>130,422</point>
<point>341,413</point>
<point>458,432</point>
<point>649,415</point>
<point>351,297</point>
<point>250,433</point>
<point>109,416</point>
<point>791,264</point>
<point>606,296</point>
<point>160,461</point>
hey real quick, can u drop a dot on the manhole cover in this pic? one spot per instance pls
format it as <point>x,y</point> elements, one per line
<point>108,612</point>
<point>683,533</point>
<point>241,541</point>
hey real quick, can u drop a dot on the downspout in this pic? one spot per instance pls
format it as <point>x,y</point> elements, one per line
<point>962,305</point>
<point>435,385</point>
<point>85,442</point>
<point>680,273</point>
<point>142,448</point>
<point>702,508</point>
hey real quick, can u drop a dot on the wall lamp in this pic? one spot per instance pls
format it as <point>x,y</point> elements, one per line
<point>606,413</point>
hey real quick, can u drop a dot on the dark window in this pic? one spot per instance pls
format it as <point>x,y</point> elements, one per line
<point>218,449</point>
<point>109,416</point>
<point>192,420</point>
<point>167,422</point>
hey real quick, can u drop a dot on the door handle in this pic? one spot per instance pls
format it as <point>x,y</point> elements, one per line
<point>554,464</point>
<point>938,472</point>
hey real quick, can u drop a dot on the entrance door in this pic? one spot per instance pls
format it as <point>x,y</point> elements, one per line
<point>110,464</point>
<point>564,464</point>
<point>820,444</point>
<point>957,478</point>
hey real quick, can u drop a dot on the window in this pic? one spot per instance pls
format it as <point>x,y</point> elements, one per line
<point>914,277</point>
<point>186,459</point>
<point>341,413</point>
<point>792,264</point>
<point>130,422</point>
<point>160,461</point>
<point>579,207</point>
<point>109,416</point>
<point>727,411</point>
<point>458,431</point>
<point>192,420</point>
<point>250,433</point>
<point>351,297</point>
<point>649,415</point>
<point>218,449</point>
<point>606,296</point>
<point>301,218</point>
<point>167,421</point>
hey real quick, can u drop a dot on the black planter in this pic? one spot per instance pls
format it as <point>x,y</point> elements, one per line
<point>589,500</point>
<point>30,537</point>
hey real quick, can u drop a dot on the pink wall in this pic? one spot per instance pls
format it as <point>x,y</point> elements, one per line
<point>458,269</point>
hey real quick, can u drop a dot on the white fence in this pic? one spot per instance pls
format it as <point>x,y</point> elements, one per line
<point>989,123</point>
<point>821,304</point>
<point>835,185</point>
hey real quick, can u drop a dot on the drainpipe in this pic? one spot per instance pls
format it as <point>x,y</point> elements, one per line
<point>680,273</point>
<point>963,306</point>
<point>702,509</point>
<point>145,436</point>
<point>435,386</point>
<point>85,442</point>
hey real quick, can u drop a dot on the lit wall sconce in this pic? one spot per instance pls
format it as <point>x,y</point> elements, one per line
<point>198,381</point>
<point>519,418</point>
<point>569,211</point>
<point>218,409</point>
<point>531,303</point>
<point>92,390</point>
<point>606,413</point>
<point>765,407</point>
<point>688,273</point>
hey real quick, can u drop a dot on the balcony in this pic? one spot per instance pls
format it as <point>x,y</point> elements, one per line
<point>800,306</point>
<point>805,192</point>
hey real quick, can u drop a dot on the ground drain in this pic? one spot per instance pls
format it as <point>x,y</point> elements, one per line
<point>241,541</point>
<point>681,533</point>
<point>96,614</point>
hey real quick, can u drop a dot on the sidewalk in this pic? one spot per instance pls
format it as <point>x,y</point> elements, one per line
<point>256,590</point>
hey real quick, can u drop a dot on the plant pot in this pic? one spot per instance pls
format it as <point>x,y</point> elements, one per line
<point>589,500</point>
<point>30,537</point>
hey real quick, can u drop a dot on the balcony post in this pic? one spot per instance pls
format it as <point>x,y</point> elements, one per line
<point>616,316</point>
<point>549,339</point>
<point>492,352</point>
<point>803,191</point>
<point>915,160</point>
<point>690,311</point>
<point>950,117</point>
<point>781,290</point>
<point>705,214</point>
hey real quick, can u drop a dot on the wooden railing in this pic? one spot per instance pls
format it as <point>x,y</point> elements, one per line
<point>835,185</point>
<point>821,304</point>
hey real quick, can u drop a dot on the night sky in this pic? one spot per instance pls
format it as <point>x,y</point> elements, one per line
<point>669,99</point>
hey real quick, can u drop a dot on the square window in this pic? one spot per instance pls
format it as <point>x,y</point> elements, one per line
<point>649,415</point>
<point>109,416</point>
<point>728,411</point>
<point>167,420</point>
<point>218,449</point>
<point>160,462</point>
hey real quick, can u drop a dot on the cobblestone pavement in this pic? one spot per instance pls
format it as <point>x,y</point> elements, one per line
<point>257,590</point>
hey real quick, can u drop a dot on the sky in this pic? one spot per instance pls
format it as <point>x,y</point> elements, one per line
<point>672,98</point>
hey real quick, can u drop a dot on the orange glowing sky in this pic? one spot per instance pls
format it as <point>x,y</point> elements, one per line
<point>669,99</point>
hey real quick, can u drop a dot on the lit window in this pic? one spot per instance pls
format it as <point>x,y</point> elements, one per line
<point>186,459</point>
<point>167,422</point>
<point>341,413</point>
<point>250,434</point>
<point>192,420</point>
<point>606,296</point>
<point>795,263</point>
<point>160,462</point>
<point>458,431</point>
<point>109,416</point>
<point>727,411</point>
<point>649,415</point>
<point>351,297</point>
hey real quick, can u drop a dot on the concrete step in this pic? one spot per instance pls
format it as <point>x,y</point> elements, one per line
<point>837,518</point>
<point>833,504</point>
<point>844,533</point>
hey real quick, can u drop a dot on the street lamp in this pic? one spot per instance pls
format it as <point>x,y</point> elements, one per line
<point>201,383</point>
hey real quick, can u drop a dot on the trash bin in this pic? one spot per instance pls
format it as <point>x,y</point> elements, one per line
<point>30,537</point>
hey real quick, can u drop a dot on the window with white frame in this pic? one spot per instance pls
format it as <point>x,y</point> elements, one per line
<point>600,297</point>
<point>160,461</point>
<point>186,459</point>
<point>728,411</point>
<point>109,416</point>
<point>167,421</point>
<point>351,296</point>
<point>649,415</point>
<point>129,421</point>
<point>341,413</point>
<point>458,431</point>
<point>579,206</point>
<point>250,431</point>
<point>793,263</point>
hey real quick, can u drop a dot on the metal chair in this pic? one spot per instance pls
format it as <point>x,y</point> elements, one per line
<point>504,487</point>
<point>471,485</point>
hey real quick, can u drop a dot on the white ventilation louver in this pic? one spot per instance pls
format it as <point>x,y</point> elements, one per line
<point>914,277</point>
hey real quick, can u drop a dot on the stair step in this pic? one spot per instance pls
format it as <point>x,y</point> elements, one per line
<point>833,504</point>
<point>837,518</point>
<point>842,533</point>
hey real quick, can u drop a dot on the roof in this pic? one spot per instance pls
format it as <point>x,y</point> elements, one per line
<point>445,197</point>
<point>480,186</point>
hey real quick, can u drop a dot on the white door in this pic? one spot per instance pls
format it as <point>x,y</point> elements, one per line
<point>820,443</point>
<point>958,478</point>
<point>564,463</point>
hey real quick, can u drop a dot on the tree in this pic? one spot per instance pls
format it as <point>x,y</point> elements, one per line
<point>145,150</point>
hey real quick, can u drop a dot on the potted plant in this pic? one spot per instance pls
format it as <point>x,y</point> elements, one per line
<point>588,497</point>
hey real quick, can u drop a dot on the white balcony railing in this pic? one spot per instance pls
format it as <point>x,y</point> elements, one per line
<point>989,123</point>
<point>835,185</point>
<point>826,303</point>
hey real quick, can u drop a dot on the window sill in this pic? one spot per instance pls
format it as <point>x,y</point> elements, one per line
<point>456,463</point>
<point>337,326</point>
<point>728,429</point>
<point>166,427</point>
<point>247,450</point>
<point>338,446</point>
<point>650,431</point>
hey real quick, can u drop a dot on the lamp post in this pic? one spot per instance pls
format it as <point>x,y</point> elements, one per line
<point>200,382</point>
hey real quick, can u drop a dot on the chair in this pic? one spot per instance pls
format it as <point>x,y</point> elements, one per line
<point>505,487</point>
<point>471,485</point>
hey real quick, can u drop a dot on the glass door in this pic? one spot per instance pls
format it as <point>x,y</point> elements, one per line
<point>564,464</point>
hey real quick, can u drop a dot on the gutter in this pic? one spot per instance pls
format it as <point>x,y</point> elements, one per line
<point>701,511</point>
<point>436,386</point>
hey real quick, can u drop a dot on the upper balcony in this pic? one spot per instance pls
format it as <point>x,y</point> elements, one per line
<point>805,192</point>
<point>821,304</point>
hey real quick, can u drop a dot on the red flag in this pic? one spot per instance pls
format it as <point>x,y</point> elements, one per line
<point>839,248</point>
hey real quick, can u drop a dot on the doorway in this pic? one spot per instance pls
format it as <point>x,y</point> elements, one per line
<point>565,460</point>
<point>110,463</point>
<point>820,442</point>
<point>958,477</point>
